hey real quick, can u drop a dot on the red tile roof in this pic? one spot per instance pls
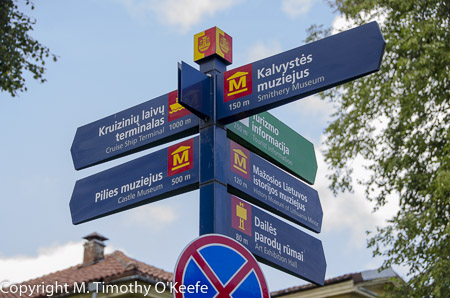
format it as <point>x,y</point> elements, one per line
<point>114,266</point>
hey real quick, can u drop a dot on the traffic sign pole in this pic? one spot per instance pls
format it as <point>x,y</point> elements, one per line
<point>212,157</point>
<point>212,52</point>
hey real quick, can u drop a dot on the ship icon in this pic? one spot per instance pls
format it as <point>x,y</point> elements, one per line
<point>175,107</point>
<point>204,43</point>
<point>224,45</point>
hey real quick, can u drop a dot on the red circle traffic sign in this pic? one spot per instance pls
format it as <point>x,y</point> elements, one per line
<point>218,266</point>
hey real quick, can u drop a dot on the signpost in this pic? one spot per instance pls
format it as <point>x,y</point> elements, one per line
<point>149,124</point>
<point>270,138</point>
<point>201,271</point>
<point>269,187</point>
<point>147,179</point>
<point>271,240</point>
<point>300,72</point>
<point>222,168</point>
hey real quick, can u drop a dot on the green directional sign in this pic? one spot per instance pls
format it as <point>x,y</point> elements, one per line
<point>267,136</point>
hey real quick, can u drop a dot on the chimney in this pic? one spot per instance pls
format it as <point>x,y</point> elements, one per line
<point>93,249</point>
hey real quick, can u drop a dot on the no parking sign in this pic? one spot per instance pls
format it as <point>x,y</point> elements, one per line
<point>218,266</point>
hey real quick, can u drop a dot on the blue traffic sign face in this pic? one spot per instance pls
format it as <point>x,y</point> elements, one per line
<point>153,177</point>
<point>151,123</point>
<point>300,72</point>
<point>217,266</point>
<point>269,187</point>
<point>271,240</point>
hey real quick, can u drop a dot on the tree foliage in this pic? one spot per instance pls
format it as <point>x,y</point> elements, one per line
<point>398,120</point>
<point>19,52</point>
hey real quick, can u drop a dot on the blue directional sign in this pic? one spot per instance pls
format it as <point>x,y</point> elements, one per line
<point>194,89</point>
<point>147,179</point>
<point>202,272</point>
<point>271,240</point>
<point>151,123</point>
<point>300,72</point>
<point>269,187</point>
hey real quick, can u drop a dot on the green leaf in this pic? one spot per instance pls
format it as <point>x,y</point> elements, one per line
<point>410,155</point>
<point>18,50</point>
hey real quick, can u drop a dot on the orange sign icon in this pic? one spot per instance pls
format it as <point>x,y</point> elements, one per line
<point>241,216</point>
<point>241,212</point>
<point>239,160</point>
<point>237,82</point>
<point>180,157</point>
<point>175,109</point>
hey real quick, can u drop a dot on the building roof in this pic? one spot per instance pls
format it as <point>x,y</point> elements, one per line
<point>115,266</point>
<point>356,277</point>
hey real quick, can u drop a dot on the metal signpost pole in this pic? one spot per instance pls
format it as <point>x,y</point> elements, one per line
<point>212,152</point>
<point>213,52</point>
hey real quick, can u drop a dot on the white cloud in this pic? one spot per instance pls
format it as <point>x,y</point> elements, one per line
<point>180,13</point>
<point>350,211</point>
<point>340,23</point>
<point>156,216</point>
<point>294,8</point>
<point>313,107</point>
<point>263,50</point>
<point>138,9</point>
<point>49,259</point>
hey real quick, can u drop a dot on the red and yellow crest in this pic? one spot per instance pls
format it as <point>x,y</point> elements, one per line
<point>213,42</point>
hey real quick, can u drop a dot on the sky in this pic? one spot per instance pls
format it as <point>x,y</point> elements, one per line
<point>114,54</point>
